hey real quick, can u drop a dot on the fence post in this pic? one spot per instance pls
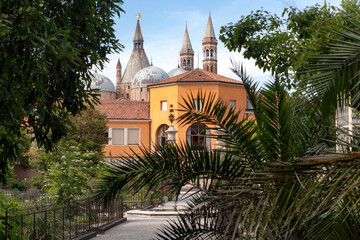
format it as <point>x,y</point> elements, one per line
<point>45,223</point>
<point>89,206</point>
<point>6,223</point>
<point>63,218</point>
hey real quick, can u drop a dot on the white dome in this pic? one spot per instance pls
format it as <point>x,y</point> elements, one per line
<point>147,76</point>
<point>99,81</point>
<point>176,71</point>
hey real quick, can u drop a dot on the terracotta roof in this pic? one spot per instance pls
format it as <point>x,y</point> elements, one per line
<point>197,75</point>
<point>125,110</point>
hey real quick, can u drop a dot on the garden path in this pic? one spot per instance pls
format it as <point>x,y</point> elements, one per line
<point>142,225</point>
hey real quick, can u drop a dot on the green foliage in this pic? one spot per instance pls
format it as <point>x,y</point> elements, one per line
<point>9,205</point>
<point>16,185</point>
<point>67,172</point>
<point>89,130</point>
<point>46,51</point>
<point>283,44</point>
<point>335,73</point>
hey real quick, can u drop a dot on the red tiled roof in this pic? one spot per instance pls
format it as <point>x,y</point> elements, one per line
<point>197,75</point>
<point>125,110</point>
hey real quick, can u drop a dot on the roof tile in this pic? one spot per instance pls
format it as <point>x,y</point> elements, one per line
<point>197,75</point>
<point>125,110</point>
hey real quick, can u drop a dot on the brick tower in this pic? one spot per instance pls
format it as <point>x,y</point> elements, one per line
<point>209,44</point>
<point>118,78</point>
<point>187,53</point>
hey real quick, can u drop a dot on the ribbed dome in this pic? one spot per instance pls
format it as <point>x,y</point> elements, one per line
<point>176,71</point>
<point>148,75</point>
<point>99,81</point>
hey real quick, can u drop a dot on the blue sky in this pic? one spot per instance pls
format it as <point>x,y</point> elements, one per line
<point>163,25</point>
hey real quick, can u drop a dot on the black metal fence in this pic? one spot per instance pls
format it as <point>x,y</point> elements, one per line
<point>65,222</point>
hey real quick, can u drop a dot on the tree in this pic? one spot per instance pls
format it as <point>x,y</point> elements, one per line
<point>67,173</point>
<point>89,130</point>
<point>46,51</point>
<point>336,72</point>
<point>283,44</point>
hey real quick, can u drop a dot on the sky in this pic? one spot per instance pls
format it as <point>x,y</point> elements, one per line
<point>163,25</point>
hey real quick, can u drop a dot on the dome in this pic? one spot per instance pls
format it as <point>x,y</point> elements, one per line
<point>99,81</point>
<point>176,71</point>
<point>147,76</point>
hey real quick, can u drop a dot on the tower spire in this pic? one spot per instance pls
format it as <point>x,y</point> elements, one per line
<point>187,53</point>
<point>118,79</point>
<point>209,28</point>
<point>138,38</point>
<point>138,58</point>
<point>209,46</point>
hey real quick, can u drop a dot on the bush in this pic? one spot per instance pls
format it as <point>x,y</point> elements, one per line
<point>16,185</point>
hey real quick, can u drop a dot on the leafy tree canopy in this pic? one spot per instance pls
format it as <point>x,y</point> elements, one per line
<point>282,44</point>
<point>46,51</point>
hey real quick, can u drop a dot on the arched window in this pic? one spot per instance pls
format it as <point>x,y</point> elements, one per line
<point>184,63</point>
<point>207,52</point>
<point>198,136</point>
<point>207,67</point>
<point>127,96</point>
<point>211,68</point>
<point>188,62</point>
<point>211,53</point>
<point>161,134</point>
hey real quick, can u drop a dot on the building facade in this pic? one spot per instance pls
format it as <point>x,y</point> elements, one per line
<point>138,108</point>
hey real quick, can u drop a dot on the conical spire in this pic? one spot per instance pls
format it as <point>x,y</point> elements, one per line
<point>138,59</point>
<point>210,28</point>
<point>138,35</point>
<point>186,43</point>
<point>118,65</point>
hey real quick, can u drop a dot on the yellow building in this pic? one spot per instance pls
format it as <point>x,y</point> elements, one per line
<point>138,108</point>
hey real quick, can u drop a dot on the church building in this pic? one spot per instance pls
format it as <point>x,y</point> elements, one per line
<point>138,108</point>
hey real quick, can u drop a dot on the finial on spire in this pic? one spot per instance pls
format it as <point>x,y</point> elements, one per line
<point>138,15</point>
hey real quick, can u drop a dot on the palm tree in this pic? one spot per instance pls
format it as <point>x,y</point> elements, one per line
<point>277,178</point>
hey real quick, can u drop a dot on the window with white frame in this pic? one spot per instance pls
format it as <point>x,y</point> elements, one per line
<point>133,136</point>
<point>163,105</point>
<point>118,136</point>
<point>232,104</point>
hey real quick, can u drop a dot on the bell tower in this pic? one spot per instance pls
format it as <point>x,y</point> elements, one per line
<point>187,53</point>
<point>209,47</point>
<point>118,78</point>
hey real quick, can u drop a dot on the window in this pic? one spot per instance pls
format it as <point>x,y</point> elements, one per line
<point>133,136</point>
<point>249,106</point>
<point>207,67</point>
<point>118,72</point>
<point>128,86</point>
<point>198,104</point>
<point>232,104</point>
<point>211,53</point>
<point>118,136</point>
<point>207,52</point>
<point>184,63</point>
<point>188,62</point>
<point>211,68</point>
<point>198,136</point>
<point>127,96</point>
<point>163,105</point>
<point>162,135</point>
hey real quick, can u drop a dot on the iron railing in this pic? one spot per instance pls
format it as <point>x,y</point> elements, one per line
<point>64,222</point>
